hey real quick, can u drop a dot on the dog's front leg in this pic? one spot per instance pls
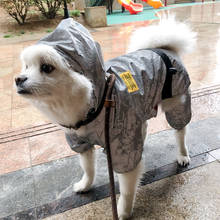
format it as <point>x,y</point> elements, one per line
<point>128,183</point>
<point>87,162</point>
<point>183,155</point>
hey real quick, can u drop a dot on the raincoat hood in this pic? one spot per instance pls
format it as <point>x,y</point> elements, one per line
<point>77,47</point>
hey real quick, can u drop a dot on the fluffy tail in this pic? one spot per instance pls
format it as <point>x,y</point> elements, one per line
<point>168,34</point>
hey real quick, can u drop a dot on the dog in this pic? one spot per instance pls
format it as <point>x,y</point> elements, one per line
<point>64,76</point>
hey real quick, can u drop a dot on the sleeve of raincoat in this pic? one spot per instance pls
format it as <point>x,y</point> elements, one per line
<point>78,144</point>
<point>180,115</point>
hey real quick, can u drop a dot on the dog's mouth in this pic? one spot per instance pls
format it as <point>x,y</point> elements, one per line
<point>23,91</point>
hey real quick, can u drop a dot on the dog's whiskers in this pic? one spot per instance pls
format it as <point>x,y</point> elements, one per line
<point>39,89</point>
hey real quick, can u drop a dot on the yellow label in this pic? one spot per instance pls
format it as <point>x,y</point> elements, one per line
<point>129,81</point>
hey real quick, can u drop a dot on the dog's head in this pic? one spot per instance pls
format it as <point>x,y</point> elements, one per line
<point>46,75</point>
<point>64,67</point>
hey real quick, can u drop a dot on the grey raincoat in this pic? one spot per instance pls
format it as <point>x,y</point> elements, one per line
<point>140,77</point>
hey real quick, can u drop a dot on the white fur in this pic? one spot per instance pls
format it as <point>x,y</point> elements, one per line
<point>128,183</point>
<point>64,96</point>
<point>168,34</point>
<point>183,155</point>
<point>87,162</point>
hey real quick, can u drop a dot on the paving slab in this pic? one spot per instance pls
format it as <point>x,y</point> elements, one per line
<point>17,192</point>
<point>47,189</point>
<point>202,136</point>
<point>191,195</point>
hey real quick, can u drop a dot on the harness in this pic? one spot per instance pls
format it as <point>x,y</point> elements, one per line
<point>167,87</point>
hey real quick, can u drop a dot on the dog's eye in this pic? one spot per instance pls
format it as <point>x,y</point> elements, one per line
<point>47,68</point>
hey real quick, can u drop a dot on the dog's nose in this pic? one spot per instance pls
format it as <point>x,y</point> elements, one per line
<point>19,80</point>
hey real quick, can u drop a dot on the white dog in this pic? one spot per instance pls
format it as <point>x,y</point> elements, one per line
<point>64,76</point>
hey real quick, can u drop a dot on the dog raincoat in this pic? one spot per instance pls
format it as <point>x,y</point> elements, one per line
<point>140,77</point>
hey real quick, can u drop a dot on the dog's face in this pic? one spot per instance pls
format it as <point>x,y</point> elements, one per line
<point>47,78</point>
<point>45,74</point>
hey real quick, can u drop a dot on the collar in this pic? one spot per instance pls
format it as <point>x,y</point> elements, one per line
<point>92,114</point>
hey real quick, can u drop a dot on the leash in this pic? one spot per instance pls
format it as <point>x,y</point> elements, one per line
<point>92,115</point>
<point>108,105</point>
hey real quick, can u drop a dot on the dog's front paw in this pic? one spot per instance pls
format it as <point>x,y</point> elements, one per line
<point>82,186</point>
<point>123,216</point>
<point>183,160</point>
<point>122,212</point>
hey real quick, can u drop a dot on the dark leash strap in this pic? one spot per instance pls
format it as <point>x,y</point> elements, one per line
<point>170,71</point>
<point>108,105</point>
<point>92,115</point>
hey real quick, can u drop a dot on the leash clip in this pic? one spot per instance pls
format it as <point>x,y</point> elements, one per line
<point>109,103</point>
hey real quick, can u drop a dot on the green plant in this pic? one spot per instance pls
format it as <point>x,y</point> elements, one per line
<point>17,9</point>
<point>49,30</point>
<point>48,8</point>
<point>7,36</point>
<point>75,13</point>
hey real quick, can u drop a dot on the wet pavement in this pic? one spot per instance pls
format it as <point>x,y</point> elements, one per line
<point>47,189</point>
<point>28,140</point>
<point>191,195</point>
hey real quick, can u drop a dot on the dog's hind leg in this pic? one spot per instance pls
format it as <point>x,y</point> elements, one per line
<point>183,158</point>
<point>87,162</point>
<point>178,115</point>
<point>128,183</point>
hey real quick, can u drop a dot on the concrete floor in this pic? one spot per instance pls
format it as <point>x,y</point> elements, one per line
<point>47,189</point>
<point>29,142</point>
<point>191,195</point>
